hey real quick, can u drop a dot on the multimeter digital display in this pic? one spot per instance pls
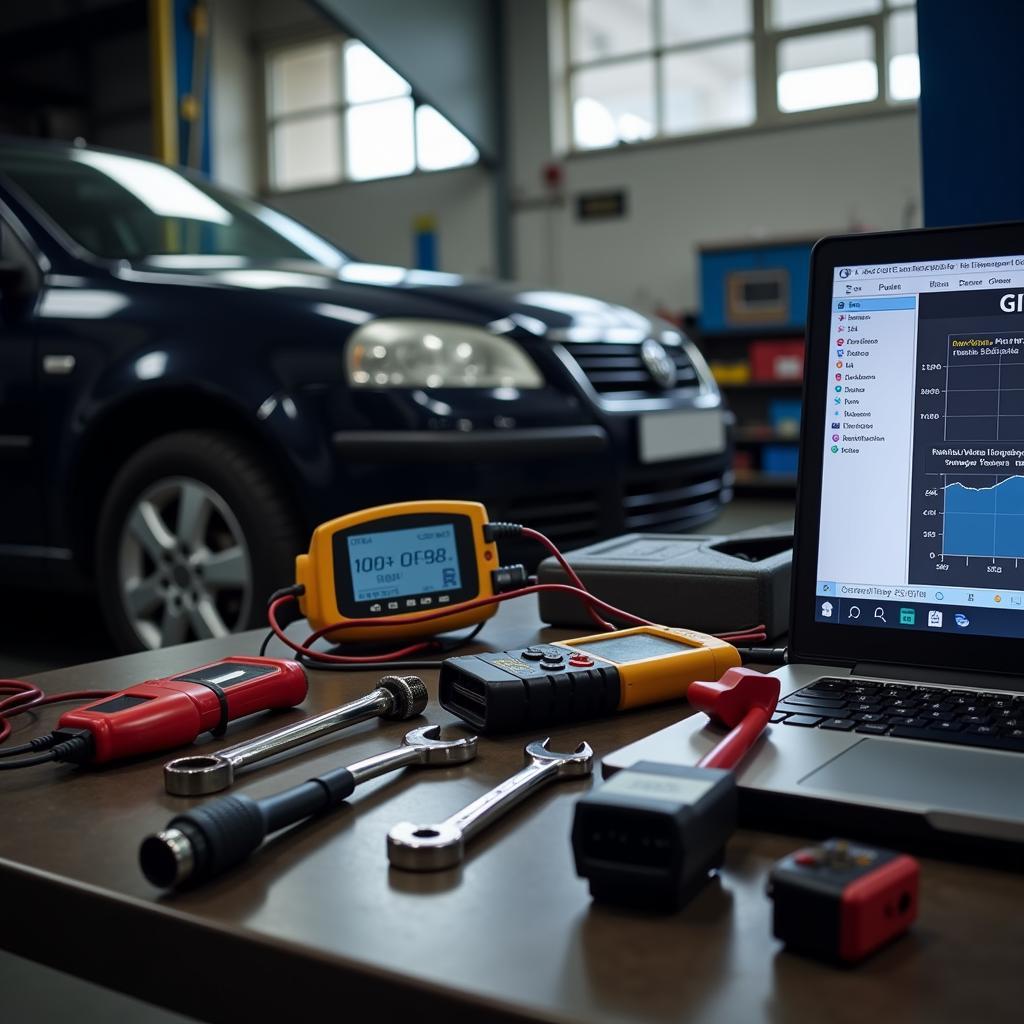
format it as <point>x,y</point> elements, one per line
<point>631,647</point>
<point>403,561</point>
<point>397,563</point>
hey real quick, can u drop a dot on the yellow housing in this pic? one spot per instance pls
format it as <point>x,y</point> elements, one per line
<point>316,572</point>
<point>665,676</point>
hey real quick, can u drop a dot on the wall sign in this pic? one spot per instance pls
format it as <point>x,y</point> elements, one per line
<point>601,205</point>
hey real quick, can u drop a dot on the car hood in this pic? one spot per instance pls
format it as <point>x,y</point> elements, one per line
<point>358,291</point>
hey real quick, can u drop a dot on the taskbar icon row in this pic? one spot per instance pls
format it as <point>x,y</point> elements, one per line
<point>918,616</point>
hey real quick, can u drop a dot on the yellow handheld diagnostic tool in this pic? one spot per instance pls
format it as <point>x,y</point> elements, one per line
<point>402,562</point>
<point>547,684</point>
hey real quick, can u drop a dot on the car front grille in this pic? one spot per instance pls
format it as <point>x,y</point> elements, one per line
<point>570,519</point>
<point>616,370</point>
<point>663,503</point>
<point>651,500</point>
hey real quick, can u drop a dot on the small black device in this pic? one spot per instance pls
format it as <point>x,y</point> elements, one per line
<point>709,582</point>
<point>588,677</point>
<point>651,835</point>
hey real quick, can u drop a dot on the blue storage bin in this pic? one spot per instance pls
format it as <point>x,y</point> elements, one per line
<point>759,285</point>
<point>779,458</point>
<point>784,416</point>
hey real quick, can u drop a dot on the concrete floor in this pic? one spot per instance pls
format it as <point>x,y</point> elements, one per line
<point>30,642</point>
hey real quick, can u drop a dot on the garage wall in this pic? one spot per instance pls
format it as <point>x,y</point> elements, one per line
<point>375,220</point>
<point>810,179</point>
<point>234,94</point>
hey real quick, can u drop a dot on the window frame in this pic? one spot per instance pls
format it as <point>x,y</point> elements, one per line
<point>340,110</point>
<point>765,45</point>
<point>271,120</point>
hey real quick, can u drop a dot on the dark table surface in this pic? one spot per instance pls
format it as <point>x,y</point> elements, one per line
<point>317,921</point>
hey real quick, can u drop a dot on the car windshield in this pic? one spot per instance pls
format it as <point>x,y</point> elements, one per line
<point>123,207</point>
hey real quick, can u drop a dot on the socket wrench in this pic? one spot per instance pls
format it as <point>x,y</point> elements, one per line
<point>217,835</point>
<point>395,697</point>
<point>435,847</point>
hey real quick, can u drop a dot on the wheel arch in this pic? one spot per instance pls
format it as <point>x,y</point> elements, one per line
<point>119,432</point>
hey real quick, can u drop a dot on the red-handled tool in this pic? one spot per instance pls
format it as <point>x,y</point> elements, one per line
<point>742,700</point>
<point>160,714</point>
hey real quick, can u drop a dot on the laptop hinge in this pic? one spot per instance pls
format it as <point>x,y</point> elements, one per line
<point>946,677</point>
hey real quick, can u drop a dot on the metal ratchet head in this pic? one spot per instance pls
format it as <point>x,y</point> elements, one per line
<point>408,693</point>
<point>413,847</point>
<point>395,697</point>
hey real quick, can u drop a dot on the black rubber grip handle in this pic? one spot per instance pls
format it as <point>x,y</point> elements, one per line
<point>222,833</point>
<point>306,799</point>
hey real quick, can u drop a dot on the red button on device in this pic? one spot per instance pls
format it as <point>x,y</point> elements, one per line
<point>581,661</point>
<point>807,860</point>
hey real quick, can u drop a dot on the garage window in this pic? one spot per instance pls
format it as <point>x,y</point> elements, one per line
<point>648,69</point>
<point>337,112</point>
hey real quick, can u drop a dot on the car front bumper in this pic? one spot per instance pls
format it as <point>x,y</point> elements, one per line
<point>458,446</point>
<point>563,482</point>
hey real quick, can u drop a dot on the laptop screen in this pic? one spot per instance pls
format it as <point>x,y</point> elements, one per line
<point>922,483</point>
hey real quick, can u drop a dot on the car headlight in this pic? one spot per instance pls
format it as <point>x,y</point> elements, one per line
<point>435,354</point>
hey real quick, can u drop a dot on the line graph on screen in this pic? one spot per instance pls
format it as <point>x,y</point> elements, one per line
<point>983,520</point>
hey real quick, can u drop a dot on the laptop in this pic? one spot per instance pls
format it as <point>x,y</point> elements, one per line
<point>902,707</point>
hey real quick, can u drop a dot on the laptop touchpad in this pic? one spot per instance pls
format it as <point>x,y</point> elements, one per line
<point>978,782</point>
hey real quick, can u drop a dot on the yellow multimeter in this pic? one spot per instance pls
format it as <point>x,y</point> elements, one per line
<point>572,680</point>
<point>402,561</point>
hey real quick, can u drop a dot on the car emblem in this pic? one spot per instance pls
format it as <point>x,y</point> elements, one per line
<point>659,363</point>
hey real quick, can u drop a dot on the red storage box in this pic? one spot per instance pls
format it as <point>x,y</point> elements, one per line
<point>777,360</point>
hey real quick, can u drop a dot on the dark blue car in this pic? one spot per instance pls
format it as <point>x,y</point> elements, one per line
<point>190,382</point>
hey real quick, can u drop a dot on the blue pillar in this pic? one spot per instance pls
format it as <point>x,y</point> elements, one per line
<point>424,254</point>
<point>972,79</point>
<point>192,44</point>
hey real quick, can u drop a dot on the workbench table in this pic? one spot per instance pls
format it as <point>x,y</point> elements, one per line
<point>316,922</point>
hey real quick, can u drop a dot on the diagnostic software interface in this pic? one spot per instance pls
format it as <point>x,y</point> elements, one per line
<point>922,505</point>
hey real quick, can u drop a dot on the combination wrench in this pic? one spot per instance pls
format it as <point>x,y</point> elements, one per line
<point>435,847</point>
<point>217,835</point>
<point>396,697</point>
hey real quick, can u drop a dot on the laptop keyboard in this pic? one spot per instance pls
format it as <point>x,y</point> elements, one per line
<point>878,708</point>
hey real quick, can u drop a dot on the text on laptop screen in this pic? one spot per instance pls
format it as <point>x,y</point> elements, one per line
<point>922,504</point>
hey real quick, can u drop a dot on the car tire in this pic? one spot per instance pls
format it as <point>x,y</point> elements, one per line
<point>192,538</point>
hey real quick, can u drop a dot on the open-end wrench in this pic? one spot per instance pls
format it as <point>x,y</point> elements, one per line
<point>434,847</point>
<point>396,697</point>
<point>215,836</point>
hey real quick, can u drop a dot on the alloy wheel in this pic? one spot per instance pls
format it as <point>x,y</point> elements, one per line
<point>184,567</point>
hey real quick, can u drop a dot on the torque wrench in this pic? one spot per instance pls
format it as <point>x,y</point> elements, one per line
<point>396,697</point>
<point>434,847</point>
<point>215,836</point>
